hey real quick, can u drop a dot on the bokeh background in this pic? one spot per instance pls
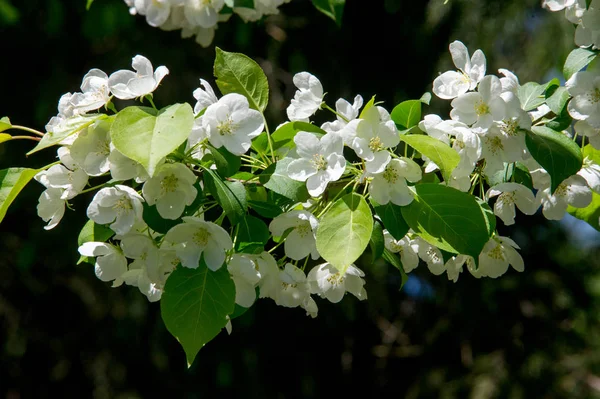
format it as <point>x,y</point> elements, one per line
<point>64,333</point>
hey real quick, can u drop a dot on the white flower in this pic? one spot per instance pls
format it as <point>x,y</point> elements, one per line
<point>587,32</point>
<point>123,168</point>
<point>590,171</point>
<point>300,242</point>
<point>510,81</point>
<point>110,261</point>
<point>51,207</point>
<point>156,11</point>
<point>482,107</point>
<point>308,97</point>
<point>321,161</point>
<point>572,191</point>
<point>509,195</point>
<point>346,113</point>
<point>127,84</point>
<point>326,281</point>
<point>197,141</point>
<point>390,185</point>
<point>430,254</point>
<point>497,254</point>
<point>171,189</point>
<point>451,84</point>
<point>374,133</point>
<point>584,86</point>
<point>143,271</point>
<point>293,288</point>
<point>403,247</point>
<point>557,5</point>
<point>203,13</point>
<point>245,275</point>
<point>231,123</point>
<point>468,146</point>
<point>71,181</point>
<point>92,147</point>
<point>454,266</point>
<point>498,148</point>
<point>120,205</point>
<point>583,128</point>
<point>195,237</point>
<point>204,96</point>
<point>95,92</point>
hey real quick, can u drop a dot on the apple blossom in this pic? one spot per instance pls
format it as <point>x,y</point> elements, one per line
<point>127,84</point>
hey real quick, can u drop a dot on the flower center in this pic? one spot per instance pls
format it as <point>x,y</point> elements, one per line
<point>432,254</point>
<point>481,108</point>
<point>169,184</point>
<point>494,144</point>
<point>226,127</point>
<point>123,205</point>
<point>390,175</point>
<point>200,237</point>
<point>561,190</point>
<point>286,285</point>
<point>335,279</point>
<point>595,95</point>
<point>497,253</point>
<point>375,144</point>
<point>510,127</point>
<point>303,230</point>
<point>506,199</point>
<point>319,162</point>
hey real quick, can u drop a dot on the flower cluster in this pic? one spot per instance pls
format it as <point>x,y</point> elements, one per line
<point>199,18</point>
<point>587,19</point>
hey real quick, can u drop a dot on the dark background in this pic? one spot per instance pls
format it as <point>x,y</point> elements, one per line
<point>64,333</point>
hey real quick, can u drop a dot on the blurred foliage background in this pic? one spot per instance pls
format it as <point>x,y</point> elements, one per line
<point>64,333</point>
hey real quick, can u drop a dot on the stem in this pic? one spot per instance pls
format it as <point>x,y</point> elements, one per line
<point>335,198</point>
<point>149,98</point>
<point>269,139</point>
<point>24,138</point>
<point>327,107</point>
<point>87,190</point>
<point>27,129</point>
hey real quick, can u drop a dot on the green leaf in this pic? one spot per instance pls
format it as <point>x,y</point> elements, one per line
<point>393,260</point>
<point>344,231</point>
<point>147,136</point>
<point>265,209</point>
<point>444,157</point>
<point>5,124</point>
<point>160,225</point>
<point>522,176</point>
<point>284,135</point>
<point>367,106</point>
<point>589,214</point>
<point>65,129</point>
<point>531,95</point>
<point>12,181</point>
<point>230,195</point>
<point>5,137</point>
<point>377,242</point>
<point>238,73</point>
<point>577,60</point>
<point>393,221</point>
<point>560,122</point>
<point>557,101</point>
<point>407,114</point>
<point>426,98</point>
<point>275,178</point>
<point>555,152</point>
<point>93,232</point>
<point>253,233</point>
<point>195,305</point>
<point>334,9</point>
<point>89,4</point>
<point>449,219</point>
<point>227,163</point>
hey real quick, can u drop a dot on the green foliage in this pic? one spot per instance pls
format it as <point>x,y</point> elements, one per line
<point>67,128</point>
<point>577,60</point>
<point>393,260</point>
<point>449,219</point>
<point>230,195</point>
<point>531,95</point>
<point>377,241</point>
<point>238,73</point>
<point>275,178</point>
<point>12,181</point>
<point>227,163</point>
<point>443,156</point>
<point>334,9</point>
<point>284,135</point>
<point>195,305</point>
<point>5,137</point>
<point>252,236</point>
<point>147,136</point>
<point>557,100</point>
<point>5,124</point>
<point>555,152</point>
<point>393,221</point>
<point>407,114</point>
<point>344,231</point>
